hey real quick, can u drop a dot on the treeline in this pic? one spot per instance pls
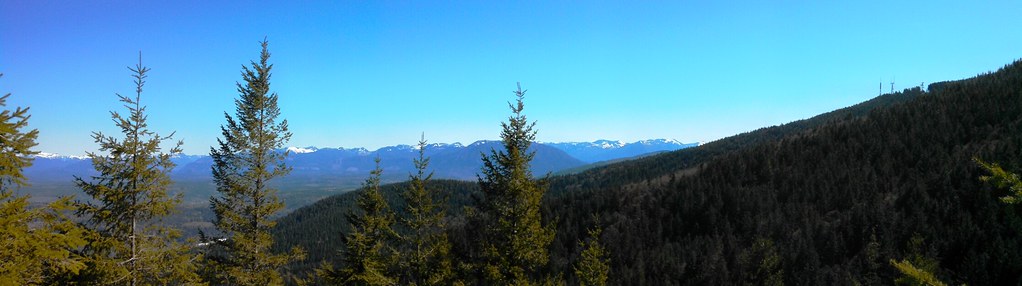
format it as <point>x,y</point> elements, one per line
<point>116,233</point>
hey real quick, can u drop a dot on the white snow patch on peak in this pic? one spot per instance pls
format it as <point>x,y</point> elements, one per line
<point>401,147</point>
<point>660,141</point>
<point>443,145</point>
<point>47,155</point>
<point>301,150</point>
<point>204,244</point>
<point>480,142</point>
<point>58,156</point>
<point>608,144</point>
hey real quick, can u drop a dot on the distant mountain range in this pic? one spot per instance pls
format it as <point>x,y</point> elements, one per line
<point>330,165</point>
<point>606,150</point>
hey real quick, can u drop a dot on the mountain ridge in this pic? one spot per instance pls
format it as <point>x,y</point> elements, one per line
<point>604,143</point>
<point>317,171</point>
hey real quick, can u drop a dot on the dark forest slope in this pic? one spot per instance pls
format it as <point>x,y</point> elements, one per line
<point>836,201</point>
<point>833,197</point>
<point>663,165</point>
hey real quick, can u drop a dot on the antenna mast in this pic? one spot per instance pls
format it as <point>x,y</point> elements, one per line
<point>892,85</point>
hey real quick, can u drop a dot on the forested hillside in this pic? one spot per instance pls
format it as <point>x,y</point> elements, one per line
<point>824,201</point>
<point>833,202</point>
<point>318,227</point>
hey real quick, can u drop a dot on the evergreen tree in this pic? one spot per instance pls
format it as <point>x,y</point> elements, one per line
<point>247,159</point>
<point>919,268</point>
<point>15,145</point>
<point>426,257</point>
<point>762,264</point>
<point>912,275</point>
<point>367,254</point>
<point>129,199</point>
<point>35,244</point>
<point>514,240</point>
<point>38,245</point>
<point>1002,179</point>
<point>594,266</point>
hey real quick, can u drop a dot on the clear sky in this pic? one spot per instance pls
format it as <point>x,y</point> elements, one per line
<point>378,73</point>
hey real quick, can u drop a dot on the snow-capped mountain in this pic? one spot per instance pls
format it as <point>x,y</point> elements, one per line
<point>481,142</point>
<point>302,150</point>
<point>313,164</point>
<point>399,148</point>
<point>58,156</point>
<point>603,150</point>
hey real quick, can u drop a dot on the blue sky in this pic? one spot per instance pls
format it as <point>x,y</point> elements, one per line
<point>377,73</point>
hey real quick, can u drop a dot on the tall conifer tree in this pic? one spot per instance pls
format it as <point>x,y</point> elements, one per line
<point>15,145</point>
<point>426,256</point>
<point>247,159</point>
<point>35,243</point>
<point>593,267</point>
<point>514,243</point>
<point>129,199</point>
<point>367,255</point>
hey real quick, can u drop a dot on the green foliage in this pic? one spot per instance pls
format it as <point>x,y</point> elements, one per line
<point>425,258</point>
<point>762,264</point>
<point>514,239</point>
<point>129,197</point>
<point>36,244</point>
<point>914,275</point>
<point>921,259</point>
<point>247,159</point>
<point>1002,179</point>
<point>316,227</point>
<point>15,145</point>
<point>871,261</point>
<point>593,268</point>
<point>367,255</point>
